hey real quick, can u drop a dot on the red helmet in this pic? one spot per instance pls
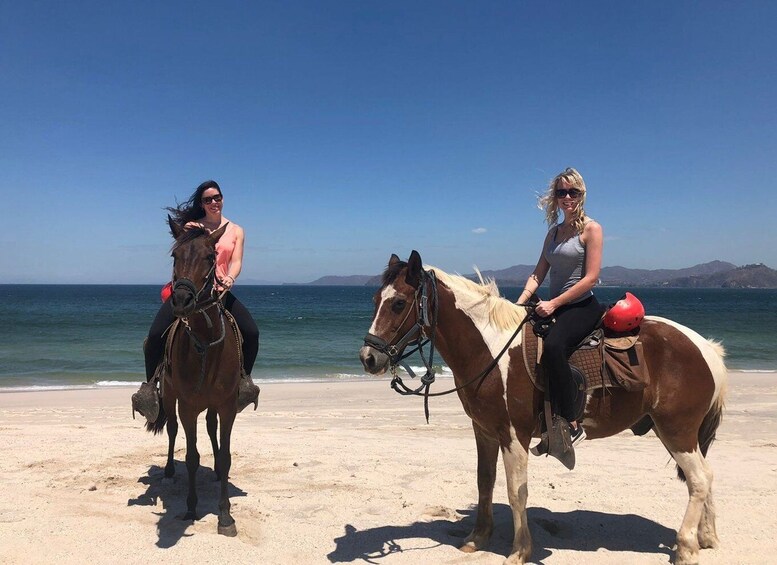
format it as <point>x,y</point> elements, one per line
<point>624,315</point>
<point>166,292</point>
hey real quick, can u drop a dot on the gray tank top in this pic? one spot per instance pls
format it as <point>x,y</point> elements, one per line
<point>567,265</point>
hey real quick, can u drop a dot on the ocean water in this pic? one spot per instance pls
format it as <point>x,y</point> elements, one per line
<point>66,336</point>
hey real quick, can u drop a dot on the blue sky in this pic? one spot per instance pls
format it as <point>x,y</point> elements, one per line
<point>341,132</point>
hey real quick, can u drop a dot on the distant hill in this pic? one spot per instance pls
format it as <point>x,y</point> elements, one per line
<point>616,276</point>
<point>350,280</point>
<point>749,276</point>
<point>621,276</point>
<point>715,274</point>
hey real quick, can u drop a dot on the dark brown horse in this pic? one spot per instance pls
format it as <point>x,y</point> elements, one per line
<point>204,360</point>
<point>684,399</point>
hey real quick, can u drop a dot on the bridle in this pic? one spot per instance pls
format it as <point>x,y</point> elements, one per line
<point>215,299</point>
<point>418,336</point>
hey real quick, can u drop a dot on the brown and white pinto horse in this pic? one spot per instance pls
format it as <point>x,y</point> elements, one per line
<point>684,399</point>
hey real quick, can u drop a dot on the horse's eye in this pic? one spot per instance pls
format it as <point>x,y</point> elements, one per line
<point>398,305</point>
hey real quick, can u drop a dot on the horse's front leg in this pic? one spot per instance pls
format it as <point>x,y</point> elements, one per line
<point>189,421</point>
<point>172,432</point>
<point>211,422</point>
<point>488,452</point>
<point>227,416</point>
<point>515,458</point>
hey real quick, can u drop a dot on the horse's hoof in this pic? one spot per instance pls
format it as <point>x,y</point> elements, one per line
<point>189,517</point>
<point>468,547</point>
<point>170,472</point>
<point>229,531</point>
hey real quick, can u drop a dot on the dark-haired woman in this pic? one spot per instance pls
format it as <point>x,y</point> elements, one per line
<point>204,210</point>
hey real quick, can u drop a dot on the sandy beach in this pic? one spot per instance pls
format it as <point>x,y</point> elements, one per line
<point>349,472</point>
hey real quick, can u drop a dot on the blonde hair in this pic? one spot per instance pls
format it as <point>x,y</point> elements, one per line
<point>549,203</point>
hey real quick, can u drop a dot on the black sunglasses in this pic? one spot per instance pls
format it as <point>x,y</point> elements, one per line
<point>214,198</point>
<point>572,192</point>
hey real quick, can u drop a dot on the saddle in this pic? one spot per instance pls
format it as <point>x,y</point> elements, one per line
<point>603,360</point>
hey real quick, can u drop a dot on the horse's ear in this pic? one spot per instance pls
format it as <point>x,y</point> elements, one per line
<point>175,229</point>
<point>394,260</point>
<point>414,269</point>
<point>216,235</point>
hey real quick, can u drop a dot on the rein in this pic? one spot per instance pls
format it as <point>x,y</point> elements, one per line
<point>417,335</point>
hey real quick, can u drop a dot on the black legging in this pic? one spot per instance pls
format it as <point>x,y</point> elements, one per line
<point>155,344</point>
<point>573,323</point>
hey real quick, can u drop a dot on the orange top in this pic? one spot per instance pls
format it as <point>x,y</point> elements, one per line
<point>225,246</point>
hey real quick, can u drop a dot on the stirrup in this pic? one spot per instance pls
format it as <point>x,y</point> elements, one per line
<point>560,442</point>
<point>542,447</point>
<point>146,401</point>
<point>247,392</point>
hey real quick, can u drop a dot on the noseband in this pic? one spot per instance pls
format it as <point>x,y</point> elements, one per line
<point>188,284</point>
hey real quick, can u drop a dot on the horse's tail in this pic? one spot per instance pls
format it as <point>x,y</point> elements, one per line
<point>711,422</point>
<point>158,425</point>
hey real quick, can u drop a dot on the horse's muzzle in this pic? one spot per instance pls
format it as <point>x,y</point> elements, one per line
<point>184,303</point>
<point>373,361</point>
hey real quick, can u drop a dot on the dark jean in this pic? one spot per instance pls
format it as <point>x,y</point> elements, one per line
<point>155,344</point>
<point>573,323</point>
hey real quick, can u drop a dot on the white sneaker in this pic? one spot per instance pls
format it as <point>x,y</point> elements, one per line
<point>577,435</point>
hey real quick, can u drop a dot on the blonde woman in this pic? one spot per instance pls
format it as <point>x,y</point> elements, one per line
<point>572,255</point>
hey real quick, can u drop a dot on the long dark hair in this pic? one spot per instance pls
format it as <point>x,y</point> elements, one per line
<point>192,209</point>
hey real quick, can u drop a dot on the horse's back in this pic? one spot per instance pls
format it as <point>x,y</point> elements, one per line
<point>680,359</point>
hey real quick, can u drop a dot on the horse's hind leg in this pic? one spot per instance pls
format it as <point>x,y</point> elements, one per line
<point>698,477</point>
<point>211,422</point>
<point>708,535</point>
<point>226,525</point>
<point>488,452</point>
<point>189,421</point>
<point>172,432</point>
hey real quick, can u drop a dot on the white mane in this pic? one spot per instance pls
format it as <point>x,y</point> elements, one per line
<point>502,313</point>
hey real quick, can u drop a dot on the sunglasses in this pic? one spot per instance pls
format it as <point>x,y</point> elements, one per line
<point>215,198</point>
<point>572,192</point>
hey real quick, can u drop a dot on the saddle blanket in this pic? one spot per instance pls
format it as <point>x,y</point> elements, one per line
<point>605,360</point>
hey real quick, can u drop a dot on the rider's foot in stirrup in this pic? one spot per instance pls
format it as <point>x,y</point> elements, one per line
<point>146,401</point>
<point>247,392</point>
<point>577,434</point>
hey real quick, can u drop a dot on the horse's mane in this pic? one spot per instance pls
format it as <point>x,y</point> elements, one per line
<point>188,235</point>
<point>502,313</point>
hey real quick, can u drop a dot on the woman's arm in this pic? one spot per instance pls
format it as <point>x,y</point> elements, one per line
<point>236,264</point>
<point>592,239</point>
<point>538,275</point>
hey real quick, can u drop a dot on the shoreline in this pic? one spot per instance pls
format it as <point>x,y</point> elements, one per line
<point>349,472</point>
<point>109,385</point>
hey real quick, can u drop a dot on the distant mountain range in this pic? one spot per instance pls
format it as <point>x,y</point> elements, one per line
<point>715,274</point>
